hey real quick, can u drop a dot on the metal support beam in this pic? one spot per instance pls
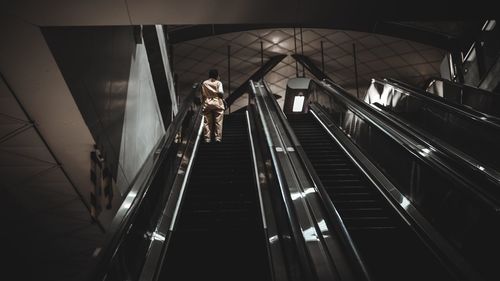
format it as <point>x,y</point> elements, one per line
<point>229,72</point>
<point>295,51</point>
<point>259,74</point>
<point>160,82</point>
<point>322,58</point>
<point>309,65</point>
<point>261,53</point>
<point>302,51</point>
<point>355,68</point>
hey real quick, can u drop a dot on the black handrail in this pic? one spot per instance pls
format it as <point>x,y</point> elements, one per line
<point>466,111</point>
<point>483,204</point>
<point>325,198</point>
<point>259,74</point>
<point>480,117</point>
<point>474,164</point>
<point>305,182</point>
<point>281,266</point>
<point>463,86</point>
<point>484,101</point>
<point>410,143</point>
<point>292,217</point>
<point>129,208</point>
<point>172,200</point>
<point>412,146</point>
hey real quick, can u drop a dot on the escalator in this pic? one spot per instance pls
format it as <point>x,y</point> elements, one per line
<point>219,232</point>
<point>476,98</point>
<point>225,211</point>
<point>440,158</point>
<point>391,250</point>
<point>453,127</point>
<point>450,124</point>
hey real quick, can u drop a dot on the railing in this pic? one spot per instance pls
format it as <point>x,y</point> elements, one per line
<point>312,231</point>
<point>259,74</point>
<point>129,237</point>
<point>474,136</point>
<point>476,98</point>
<point>409,175</point>
<point>452,100</point>
<point>435,199</point>
<point>336,221</point>
<point>282,252</point>
<point>172,203</point>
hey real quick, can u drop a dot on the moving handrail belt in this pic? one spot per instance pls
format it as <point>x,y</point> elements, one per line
<point>412,146</point>
<point>138,195</point>
<point>312,232</point>
<point>488,177</point>
<point>457,106</point>
<point>335,104</point>
<point>337,224</point>
<point>401,136</point>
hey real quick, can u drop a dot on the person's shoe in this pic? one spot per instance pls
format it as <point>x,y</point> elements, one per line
<point>206,140</point>
<point>218,141</point>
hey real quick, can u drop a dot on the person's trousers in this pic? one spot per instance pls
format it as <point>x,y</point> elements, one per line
<point>213,118</point>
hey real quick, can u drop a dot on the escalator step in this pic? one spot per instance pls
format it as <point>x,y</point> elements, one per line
<point>219,231</point>
<point>350,194</point>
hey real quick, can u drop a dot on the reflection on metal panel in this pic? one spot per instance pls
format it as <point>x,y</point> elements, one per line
<point>95,62</point>
<point>478,99</point>
<point>464,130</point>
<point>142,126</point>
<point>166,64</point>
<point>456,204</point>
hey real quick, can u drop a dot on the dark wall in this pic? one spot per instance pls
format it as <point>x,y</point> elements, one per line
<point>95,62</point>
<point>157,67</point>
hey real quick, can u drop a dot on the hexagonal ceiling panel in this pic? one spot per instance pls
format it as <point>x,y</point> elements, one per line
<point>377,56</point>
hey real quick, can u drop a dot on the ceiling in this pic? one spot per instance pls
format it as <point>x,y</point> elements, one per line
<point>448,35</point>
<point>133,12</point>
<point>43,217</point>
<point>377,56</point>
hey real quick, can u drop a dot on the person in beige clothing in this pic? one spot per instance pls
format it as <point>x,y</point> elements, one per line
<point>212,106</point>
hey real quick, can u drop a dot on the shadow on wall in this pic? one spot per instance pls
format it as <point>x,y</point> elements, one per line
<point>108,73</point>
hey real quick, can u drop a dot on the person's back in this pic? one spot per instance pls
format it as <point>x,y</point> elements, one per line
<point>212,106</point>
<point>211,88</point>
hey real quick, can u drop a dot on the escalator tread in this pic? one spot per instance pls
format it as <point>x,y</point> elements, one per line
<point>219,233</point>
<point>390,250</point>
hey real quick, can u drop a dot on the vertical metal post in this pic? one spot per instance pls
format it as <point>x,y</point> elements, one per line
<point>302,51</point>
<point>459,66</point>
<point>322,58</point>
<point>355,69</point>
<point>174,76</point>
<point>229,72</point>
<point>295,50</point>
<point>261,53</point>
<point>170,48</point>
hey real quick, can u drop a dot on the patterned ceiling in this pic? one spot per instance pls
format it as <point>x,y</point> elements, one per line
<point>377,56</point>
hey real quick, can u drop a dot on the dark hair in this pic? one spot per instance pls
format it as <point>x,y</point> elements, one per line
<point>213,73</point>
